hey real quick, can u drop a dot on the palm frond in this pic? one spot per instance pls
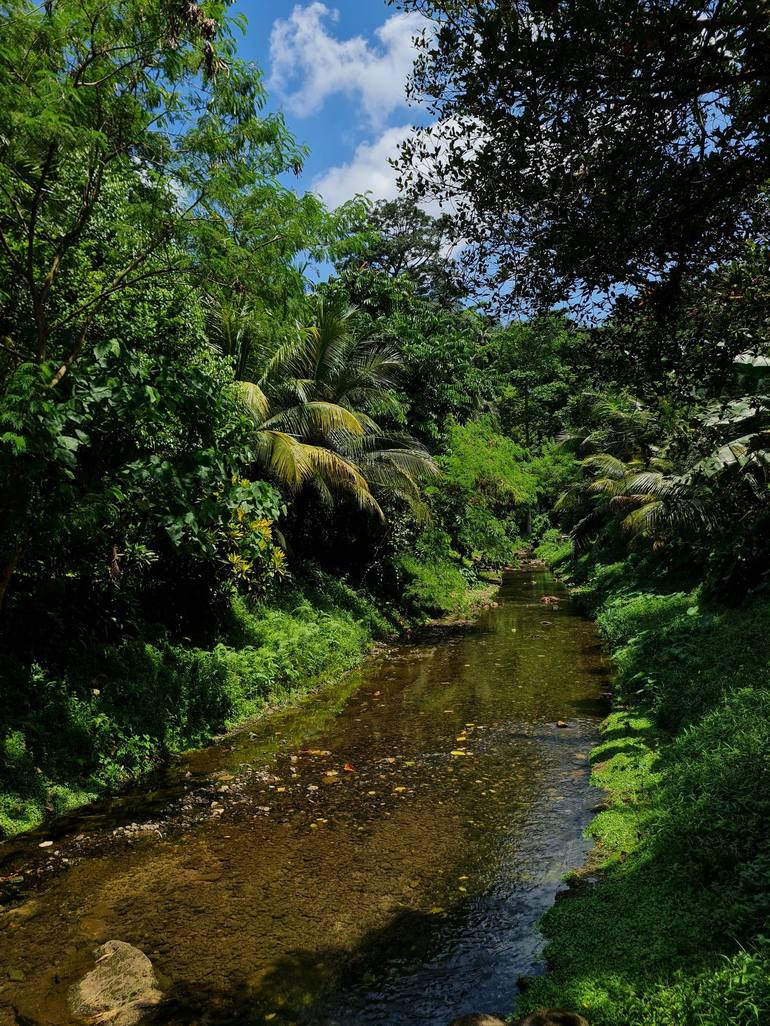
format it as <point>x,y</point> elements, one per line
<point>609,486</point>
<point>339,475</point>
<point>419,465</point>
<point>646,520</point>
<point>254,399</point>
<point>283,458</point>
<point>290,359</point>
<point>651,482</point>
<point>317,419</point>
<point>607,465</point>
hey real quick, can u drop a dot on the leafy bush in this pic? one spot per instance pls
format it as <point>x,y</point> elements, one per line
<point>486,485</point>
<point>554,547</point>
<point>432,587</point>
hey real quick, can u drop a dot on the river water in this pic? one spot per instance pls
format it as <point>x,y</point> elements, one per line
<point>379,855</point>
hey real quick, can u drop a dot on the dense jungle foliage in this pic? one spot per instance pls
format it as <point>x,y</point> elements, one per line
<point>212,475</point>
<point>218,484</point>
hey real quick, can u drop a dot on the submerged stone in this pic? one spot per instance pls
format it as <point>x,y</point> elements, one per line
<point>121,989</point>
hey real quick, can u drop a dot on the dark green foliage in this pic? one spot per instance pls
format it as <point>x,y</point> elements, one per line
<point>444,375</point>
<point>445,371</point>
<point>125,484</point>
<point>402,239</point>
<point>615,145</point>
<point>541,369</point>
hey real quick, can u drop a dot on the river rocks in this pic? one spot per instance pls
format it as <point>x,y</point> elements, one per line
<point>552,1017</point>
<point>137,831</point>
<point>477,1019</point>
<point>121,989</point>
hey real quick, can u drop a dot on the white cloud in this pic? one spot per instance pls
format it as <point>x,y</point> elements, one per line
<point>309,64</point>
<point>368,171</point>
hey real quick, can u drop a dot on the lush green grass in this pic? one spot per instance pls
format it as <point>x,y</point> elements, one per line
<point>676,931</point>
<point>554,547</point>
<point>70,735</point>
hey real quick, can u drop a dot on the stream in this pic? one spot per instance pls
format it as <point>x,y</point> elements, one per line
<point>378,854</point>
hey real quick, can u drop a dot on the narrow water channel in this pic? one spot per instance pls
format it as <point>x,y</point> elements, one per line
<point>379,855</point>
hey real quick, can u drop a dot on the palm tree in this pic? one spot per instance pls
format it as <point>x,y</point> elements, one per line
<point>647,500</point>
<point>314,401</point>
<point>629,484</point>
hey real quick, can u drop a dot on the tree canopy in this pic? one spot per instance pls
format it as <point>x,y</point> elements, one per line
<point>586,149</point>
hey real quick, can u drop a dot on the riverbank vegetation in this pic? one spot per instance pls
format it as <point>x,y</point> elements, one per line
<point>619,168</point>
<point>219,482</point>
<point>675,929</point>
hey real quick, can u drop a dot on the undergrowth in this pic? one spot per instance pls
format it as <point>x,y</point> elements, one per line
<point>432,587</point>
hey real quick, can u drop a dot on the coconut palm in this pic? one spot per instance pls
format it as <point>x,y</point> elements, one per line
<point>620,424</point>
<point>314,401</point>
<point>649,500</point>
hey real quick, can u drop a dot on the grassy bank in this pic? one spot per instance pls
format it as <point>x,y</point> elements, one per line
<point>677,930</point>
<point>84,728</point>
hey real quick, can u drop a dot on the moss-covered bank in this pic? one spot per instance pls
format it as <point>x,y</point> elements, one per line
<point>676,932</point>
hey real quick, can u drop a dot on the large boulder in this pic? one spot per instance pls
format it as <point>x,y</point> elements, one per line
<point>477,1019</point>
<point>552,1017</point>
<point>121,989</point>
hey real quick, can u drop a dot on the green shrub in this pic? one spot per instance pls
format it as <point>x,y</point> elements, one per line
<point>432,587</point>
<point>486,485</point>
<point>715,818</point>
<point>554,547</point>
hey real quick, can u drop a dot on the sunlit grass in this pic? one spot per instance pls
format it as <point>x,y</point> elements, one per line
<point>675,932</point>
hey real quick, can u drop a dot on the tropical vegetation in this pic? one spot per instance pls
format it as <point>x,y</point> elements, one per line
<point>619,171</point>
<point>219,482</point>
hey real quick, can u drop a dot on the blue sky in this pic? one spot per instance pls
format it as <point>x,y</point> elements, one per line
<point>338,72</point>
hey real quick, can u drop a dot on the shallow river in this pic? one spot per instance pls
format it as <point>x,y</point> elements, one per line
<point>379,855</point>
